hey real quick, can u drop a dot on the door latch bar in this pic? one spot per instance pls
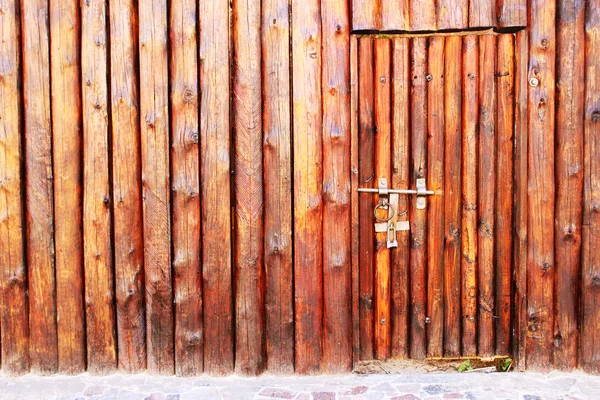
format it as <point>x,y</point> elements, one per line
<point>421,191</point>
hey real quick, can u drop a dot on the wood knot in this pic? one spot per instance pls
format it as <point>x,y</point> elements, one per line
<point>338,28</point>
<point>545,43</point>
<point>106,199</point>
<point>546,266</point>
<point>194,339</point>
<point>188,95</point>
<point>596,116</point>
<point>596,280</point>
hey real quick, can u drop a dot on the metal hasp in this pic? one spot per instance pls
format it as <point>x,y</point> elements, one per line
<point>421,191</point>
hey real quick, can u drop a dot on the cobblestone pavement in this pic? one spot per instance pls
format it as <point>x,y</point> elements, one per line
<point>470,386</point>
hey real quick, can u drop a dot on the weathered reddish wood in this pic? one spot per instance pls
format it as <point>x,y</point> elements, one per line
<point>400,180</point>
<point>43,345</point>
<point>394,15</point>
<point>383,148</point>
<point>98,261</point>
<point>154,101</point>
<point>470,119</point>
<point>308,179</point>
<point>452,195</point>
<point>486,177</point>
<point>337,278</point>
<point>215,183</point>
<point>590,331</point>
<point>249,211</point>
<point>505,72</point>
<point>435,181</point>
<point>482,13</point>
<point>279,302</point>
<point>68,204</point>
<point>570,99</point>
<point>13,281</point>
<point>511,13</point>
<point>422,15</point>
<point>418,218</point>
<point>452,14</point>
<point>366,14</point>
<point>126,185</point>
<point>366,178</point>
<point>185,177</point>
<point>541,192</point>
<point>520,202</point>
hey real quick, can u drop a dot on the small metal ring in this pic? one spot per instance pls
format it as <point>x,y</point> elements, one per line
<point>403,213</point>
<point>389,207</point>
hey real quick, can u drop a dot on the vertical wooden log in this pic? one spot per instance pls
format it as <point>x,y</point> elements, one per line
<point>13,281</point>
<point>98,261</point>
<point>185,170</point>
<point>418,218</point>
<point>486,175</point>
<point>127,195</point>
<point>482,13</point>
<point>308,178</point>
<point>43,345</point>
<point>277,126</point>
<point>569,177</point>
<point>435,181</point>
<point>470,144</point>
<point>383,148</point>
<point>422,15</point>
<point>452,195</point>
<point>394,15</point>
<point>590,329</point>
<point>511,13</point>
<point>249,211</point>
<point>520,202</point>
<point>154,95</point>
<point>215,183</point>
<point>400,265</point>
<point>366,14</point>
<point>504,192</point>
<point>337,278</point>
<point>453,14</point>
<point>541,192</point>
<point>366,165</point>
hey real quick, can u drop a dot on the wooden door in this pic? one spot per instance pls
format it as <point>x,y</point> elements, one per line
<point>438,109</point>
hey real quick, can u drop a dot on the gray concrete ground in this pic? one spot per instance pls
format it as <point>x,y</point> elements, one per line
<point>413,386</point>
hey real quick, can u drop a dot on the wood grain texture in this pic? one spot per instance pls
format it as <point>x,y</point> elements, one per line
<point>185,188</point>
<point>277,148</point>
<point>249,202</point>
<point>39,176</point>
<point>570,98</point>
<point>423,15</point>
<point>511,13</point>
<point>541,193</point>
<point>97,246</point>
<point>395,15</point>
<point>366,14</point>
<point>452,14</point>
<point>126,185</point>
<point>154,96</point>
<point>482,13</point>
<point>308,184</point>
<point>337,278</point>
<point>215,183</point>
<point>14,332</point>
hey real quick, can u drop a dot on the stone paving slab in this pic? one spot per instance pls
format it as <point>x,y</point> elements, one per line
<point>414,386</point>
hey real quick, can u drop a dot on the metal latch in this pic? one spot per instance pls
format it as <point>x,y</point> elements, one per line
<point>421,191</point>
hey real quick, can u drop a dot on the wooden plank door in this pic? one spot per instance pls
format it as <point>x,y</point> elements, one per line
<point>437,109</point>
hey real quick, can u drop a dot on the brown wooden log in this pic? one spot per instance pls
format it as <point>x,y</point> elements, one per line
<point>337,278</point>
<point>308,178</point>
<point>418,218</point>
<point>541,192</point>
<point>366,178</point>
<point>520,202</point>
<point>68,200</point>
<point>452,14</point>
<point>126,182</point>
<point>98,262</point>
<point>249,207</point>
<point>435,182</point>
<point>383,148</point>
<point>394,15</point>
<point>470,144</point>
<point>452,195</point>
<point>569,178</point>
<point>277,126</point>
<point>13,280</point>
<point>400,266</point>
<point>366,14</point>
<point>215,183</point>
<point>511,13</point>
<point>590,332</point>
<point>486,175</point>
<point>185,177</point>
<point>504,191</point>
<point>423,15</point>
<point>43,346</point>
<point>482,13</point>
<point>154,96</point>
